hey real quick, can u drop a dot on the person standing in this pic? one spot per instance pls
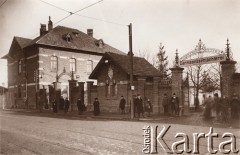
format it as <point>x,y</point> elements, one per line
<point>135,105</point>
<point>96,106</point>
<point>208,110</point>
<point>40,101</point>
<point>66,106</point>
<point>54,105</point>
<point>61,103</point>
<point>217,106</point>
<point>148,107</point>
<point>139,103</point>
<point>165,104</point>
<point>175,105</point>
<point>81,106</point>
<point>122,105</point>
<point>235,107</point>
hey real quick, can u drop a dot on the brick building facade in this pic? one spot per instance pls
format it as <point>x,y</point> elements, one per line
<point>112,75</point>
<point>36,64</point>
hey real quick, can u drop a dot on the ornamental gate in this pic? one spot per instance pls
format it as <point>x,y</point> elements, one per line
<point>205,72</point>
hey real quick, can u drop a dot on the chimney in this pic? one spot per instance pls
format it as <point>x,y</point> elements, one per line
<point>43,29</point>
<point>90,32</point>
<point>50,24</point>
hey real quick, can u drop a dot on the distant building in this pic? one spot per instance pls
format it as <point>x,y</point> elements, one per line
<point>113,75</point>
<point>36,64</point>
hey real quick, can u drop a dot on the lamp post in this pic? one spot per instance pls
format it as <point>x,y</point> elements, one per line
<point>131,69</point>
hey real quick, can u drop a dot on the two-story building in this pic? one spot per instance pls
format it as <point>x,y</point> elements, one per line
<point>36,64</point>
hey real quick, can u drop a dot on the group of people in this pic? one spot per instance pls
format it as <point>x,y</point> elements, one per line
<point>63,105</point>
<point>171,106</point>
<point>223,107</point>
<point>140,107</point>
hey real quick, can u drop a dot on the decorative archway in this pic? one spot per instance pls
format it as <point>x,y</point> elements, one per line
<point>202,55</point>
<point>203,69</point>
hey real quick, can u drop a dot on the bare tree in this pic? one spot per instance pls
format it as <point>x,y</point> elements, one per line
<point>149,56</point>
<point>195,75</point>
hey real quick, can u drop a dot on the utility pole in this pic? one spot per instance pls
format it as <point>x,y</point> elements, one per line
<point>131,70</point>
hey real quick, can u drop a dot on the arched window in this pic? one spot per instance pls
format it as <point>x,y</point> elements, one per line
<point>19,67</point>
<point>72,62</point>
<point>54,63</point>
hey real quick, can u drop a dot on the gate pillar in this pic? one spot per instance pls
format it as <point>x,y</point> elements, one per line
<point>177,82</point>
<point>228,68</point>
<point>72,84</point>
<point>156,103</point>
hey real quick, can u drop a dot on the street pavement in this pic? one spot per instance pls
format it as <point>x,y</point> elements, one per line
<point>28,132</point>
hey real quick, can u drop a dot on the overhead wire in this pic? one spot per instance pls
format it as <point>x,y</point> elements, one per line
<point>55,6</point>
<point>3,3</point>
<point>70,13</point>
<point>76,13</point>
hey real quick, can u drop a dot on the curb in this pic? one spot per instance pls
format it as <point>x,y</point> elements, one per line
<point>88,115</point>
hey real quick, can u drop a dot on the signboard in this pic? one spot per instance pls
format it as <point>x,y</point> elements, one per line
<point>203,60</point>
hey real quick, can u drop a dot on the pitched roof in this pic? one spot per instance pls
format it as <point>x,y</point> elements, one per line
<point>23,42</point>
<point>78,40</point>
<point>5,56</point>
<point>18,44</point>
<point>141,67</point>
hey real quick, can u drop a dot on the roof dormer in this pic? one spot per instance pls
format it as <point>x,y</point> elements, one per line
<point>67,37</point>
<point>99,43</point>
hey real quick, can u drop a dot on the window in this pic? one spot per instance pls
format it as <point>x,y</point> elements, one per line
<point>67,37</point>
<point>89,66</point>
<point>54,61</point>
<point>72,63</point>
<point>19,67</point>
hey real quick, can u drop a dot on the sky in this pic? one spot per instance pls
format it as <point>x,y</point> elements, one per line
<point>177,24</point>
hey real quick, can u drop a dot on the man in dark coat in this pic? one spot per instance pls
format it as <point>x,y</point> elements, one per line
<point>139,104</point>
<point>217,106</point>
<point>54,105</point>
<point>81,106</point>
<point>96,106</point>
<point>40,102</point>
<point>175,105</point>
<point>165,104</point>
<point>122,105</point>
<point>61,103</point>
<point>148,107</point>
<point>66,106</point>
<point>208,107</point>
<point>134,105</point>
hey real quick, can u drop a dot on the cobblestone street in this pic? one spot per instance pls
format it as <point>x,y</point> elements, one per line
<point>35,133</point>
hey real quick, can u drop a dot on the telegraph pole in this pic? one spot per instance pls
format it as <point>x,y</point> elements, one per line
<point>131,70</point>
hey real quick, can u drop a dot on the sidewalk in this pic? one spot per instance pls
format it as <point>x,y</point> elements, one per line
<point>193,118</point>
<point>89,115</point>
